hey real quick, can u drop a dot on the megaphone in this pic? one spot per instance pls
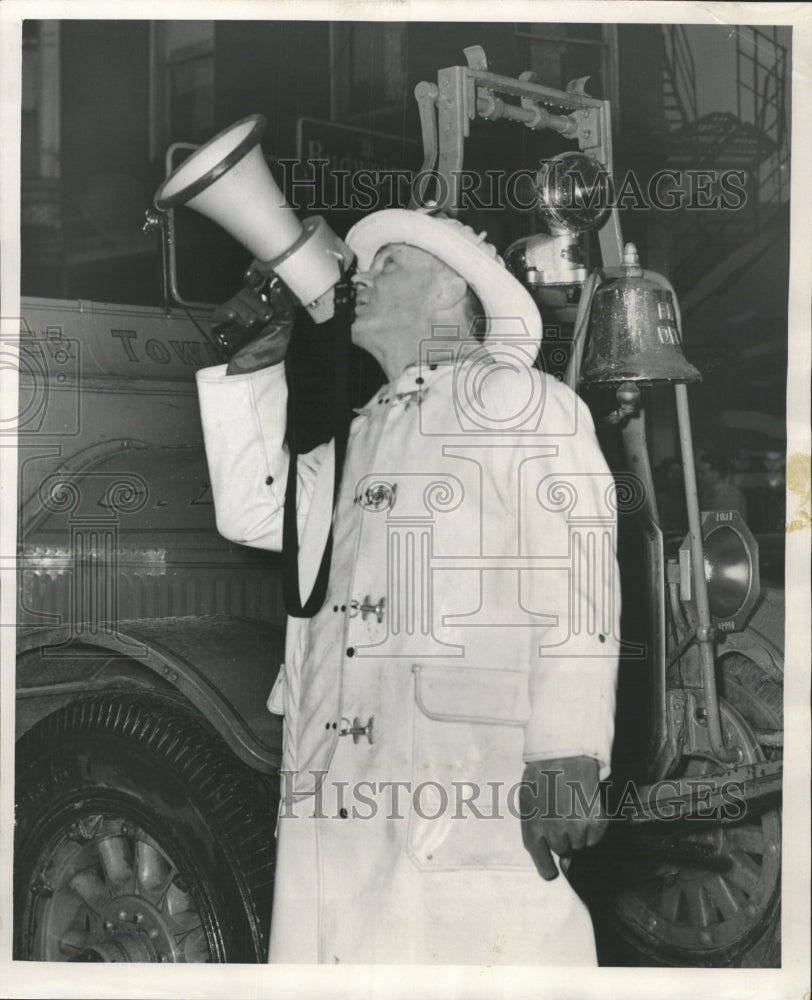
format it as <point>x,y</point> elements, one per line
<point>228,180</point>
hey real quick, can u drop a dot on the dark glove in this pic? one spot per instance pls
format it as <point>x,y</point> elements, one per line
<point>253,328</point>
<point>547,802</point>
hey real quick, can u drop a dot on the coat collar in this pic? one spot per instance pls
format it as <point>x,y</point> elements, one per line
<point>415,381</point>
<point>409,388</point>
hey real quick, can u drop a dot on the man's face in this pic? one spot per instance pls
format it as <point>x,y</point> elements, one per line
<point>395,299</point>
<point>706,475</point>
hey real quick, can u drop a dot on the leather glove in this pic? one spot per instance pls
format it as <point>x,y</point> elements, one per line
<point>254,327</point>
<point>553,817</point>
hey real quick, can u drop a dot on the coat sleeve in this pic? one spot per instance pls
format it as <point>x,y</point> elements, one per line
<point>572,521</point>
<point>243,418</point>
<point>560,490</point>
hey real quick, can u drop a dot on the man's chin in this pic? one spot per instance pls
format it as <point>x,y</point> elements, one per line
<point>360,330</point>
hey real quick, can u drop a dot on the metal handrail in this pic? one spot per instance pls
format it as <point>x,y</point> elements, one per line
<point>681,68</point>
<point>761,66</point>
<point>761,62</point>
<point>766,67</point>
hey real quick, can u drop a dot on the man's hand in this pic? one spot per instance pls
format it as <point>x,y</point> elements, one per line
<point>254,327</point>
<point>561,809</point>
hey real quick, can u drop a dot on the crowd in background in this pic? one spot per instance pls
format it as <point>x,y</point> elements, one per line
<point>752,483</point>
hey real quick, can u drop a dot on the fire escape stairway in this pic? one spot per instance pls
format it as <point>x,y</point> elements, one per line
<point>752,141</point>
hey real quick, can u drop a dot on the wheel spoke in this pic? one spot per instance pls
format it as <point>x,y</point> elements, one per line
<point>73,940</point>
<point>749,838</point>
<point>722,895</point>
<point>669,903</point>
<point>116,858</point>
<point>699,907</point>
<point>186,923</point>
<point>178,902</point>
<point>194,946</point>
<point>153,872</point>
<point>744,872</point>
<point>91,889</point>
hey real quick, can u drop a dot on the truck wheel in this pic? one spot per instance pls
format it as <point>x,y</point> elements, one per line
<point>139,838</point>
<point>691,916</point>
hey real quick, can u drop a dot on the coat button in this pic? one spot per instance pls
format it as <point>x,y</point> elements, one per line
<point>351,651</point>
<point>342,812</point>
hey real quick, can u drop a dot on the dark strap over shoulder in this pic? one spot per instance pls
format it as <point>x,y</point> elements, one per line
<point>339,330</point>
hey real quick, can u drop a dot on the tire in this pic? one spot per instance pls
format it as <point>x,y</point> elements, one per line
<point>139,837</point>
<point>696,917</point>
<point>760,700</point>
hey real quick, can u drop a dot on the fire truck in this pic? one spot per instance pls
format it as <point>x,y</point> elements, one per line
<point>147,761</point>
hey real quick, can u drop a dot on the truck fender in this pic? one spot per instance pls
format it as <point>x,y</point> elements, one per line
<point>223,666</point>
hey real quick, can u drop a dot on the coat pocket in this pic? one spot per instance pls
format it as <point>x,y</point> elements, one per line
<point>468,736</point>
<point>465,694</point>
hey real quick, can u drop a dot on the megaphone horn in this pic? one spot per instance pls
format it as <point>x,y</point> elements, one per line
<point>228,180</point>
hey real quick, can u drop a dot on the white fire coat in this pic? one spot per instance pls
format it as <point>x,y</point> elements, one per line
<point>470,625</point>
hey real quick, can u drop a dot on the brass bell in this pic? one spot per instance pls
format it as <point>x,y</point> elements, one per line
<point>634,335</point>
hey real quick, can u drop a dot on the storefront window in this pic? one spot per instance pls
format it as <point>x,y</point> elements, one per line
<point>183,82</point>
<point>558,53</point>
<point>368,69</point>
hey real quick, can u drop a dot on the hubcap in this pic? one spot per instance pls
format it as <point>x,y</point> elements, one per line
<point>108,892</point>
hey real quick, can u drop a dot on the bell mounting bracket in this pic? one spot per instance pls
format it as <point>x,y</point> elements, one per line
<point>465,93</point>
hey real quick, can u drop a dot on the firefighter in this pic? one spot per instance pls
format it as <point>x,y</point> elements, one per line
<point>460,674</point>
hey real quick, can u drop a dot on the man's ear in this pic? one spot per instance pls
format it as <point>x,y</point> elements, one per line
<point>451,289</point>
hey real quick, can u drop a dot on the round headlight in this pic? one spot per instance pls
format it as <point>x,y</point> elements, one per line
<point>573,192</point>
<point>730,558</point>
